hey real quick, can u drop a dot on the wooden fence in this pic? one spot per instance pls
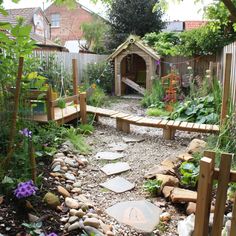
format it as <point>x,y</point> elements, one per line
<point>64,59</point>
<point>231,48</point>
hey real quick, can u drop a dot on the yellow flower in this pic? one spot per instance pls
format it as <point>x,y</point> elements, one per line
<point>93,86</point>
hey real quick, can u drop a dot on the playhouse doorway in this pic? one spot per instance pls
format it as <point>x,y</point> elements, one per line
<point>133,74</point>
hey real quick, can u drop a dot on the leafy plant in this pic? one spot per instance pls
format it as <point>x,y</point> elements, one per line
<point>155,98</point>
<point>157,112</point>
<point>153,186</point>
<point>85,129</point>
<point>189,173</point>
<point>98,97</point>
<point>33,229</point>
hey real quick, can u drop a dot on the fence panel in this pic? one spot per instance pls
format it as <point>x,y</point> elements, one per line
<point>64,59</point>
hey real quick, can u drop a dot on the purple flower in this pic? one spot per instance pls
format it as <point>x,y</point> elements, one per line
<point>25,189</point>
<point>52,234</point>
<point>26,132</point>
<point>158,62</point>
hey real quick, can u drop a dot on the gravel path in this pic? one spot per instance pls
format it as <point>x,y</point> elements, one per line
<point>140,156</point>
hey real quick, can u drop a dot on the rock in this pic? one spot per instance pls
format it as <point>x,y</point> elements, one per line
<point>51,199</point>
<point>185,157</point>
<point>165,216</point>
<point>93,222</point>
<point>158,170</point>
<point>85,200</point>
<point>105,227</point>
<point>191,208</point>
<point>186,227</point>
<point>71,162</point>
<point>132,139</point>
<point>168,180</point>
<point>118,147</point>
<point>196,145</point>
<point>76,190</point>
<point>32,218</point>
<point>64,219</point>
<point>63,191</point>
<point>73,212</point>
<point>110,233</point>
<point>92,231</point>
<point>109,156</point>
<point>71,203</point>
<point>69,176</point>
<point>168,162</point>
<point>183,195</point>
<point>77,184</point>
<point>57,168</point>
<point>74,226</point>
<point>167,191</point>
<point>59,155</point>
<point>80,213</point>
<point>72,219</point>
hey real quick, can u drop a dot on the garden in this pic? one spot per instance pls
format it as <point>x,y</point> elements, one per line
<point>84,177</point>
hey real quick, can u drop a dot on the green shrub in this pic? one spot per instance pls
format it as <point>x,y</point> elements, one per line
<point>157,112</point>
<point>154,99</point>
<point>153,186</point>
<point>99,73</point>
<point>98,97</point>
<point>86,129</point>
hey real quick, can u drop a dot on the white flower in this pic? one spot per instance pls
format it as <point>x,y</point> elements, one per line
<point>189,68</point>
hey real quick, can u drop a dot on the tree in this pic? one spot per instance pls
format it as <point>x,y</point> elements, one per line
<point>133,17</point>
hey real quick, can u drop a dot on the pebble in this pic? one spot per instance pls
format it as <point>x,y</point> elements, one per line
<point>72,219</point>
<point>69,176</point>
<point>76,190</point>
<point>74,226</point>
<point>71,203</point>
<point>63,191</point>
<point>93,222</point>
<point>64,219</point>
<point>77,184</point>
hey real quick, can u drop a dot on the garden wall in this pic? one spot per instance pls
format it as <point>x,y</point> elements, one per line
<point>65,59</point>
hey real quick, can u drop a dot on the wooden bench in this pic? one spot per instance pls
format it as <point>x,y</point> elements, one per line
<point>169,127</point>
<point>207,174</point>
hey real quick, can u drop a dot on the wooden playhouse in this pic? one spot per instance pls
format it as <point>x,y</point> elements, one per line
<point>136,65</point>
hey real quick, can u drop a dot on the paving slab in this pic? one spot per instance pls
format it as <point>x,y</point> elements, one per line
<point>141,215</point>
<point>132,139</point>
<point>118,147</point>
<point>118,185</point>
<point>115,168</point>
<point>109,156</point>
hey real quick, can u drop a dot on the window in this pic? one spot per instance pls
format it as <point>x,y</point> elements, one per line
<point>55,20</point>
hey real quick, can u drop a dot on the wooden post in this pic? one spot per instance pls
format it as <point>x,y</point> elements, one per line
<point>118,124</point>
<point>168,133</point>
<point>203,193</point>
<point>125,126</point>
<point>50,108</point>
<point>83,108</point>
<point>221,195</point>
<point>233,221</point>
<point>75,80</point>
<point>15,112</point>
<point>211,68</point>
<point>226,87</point>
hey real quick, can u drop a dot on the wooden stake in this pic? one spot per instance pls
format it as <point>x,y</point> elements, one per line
<point>50,108</point>
<point>75,80</point>
<point>83,108</point>
<point>15,112</point>
<point>226,88</point>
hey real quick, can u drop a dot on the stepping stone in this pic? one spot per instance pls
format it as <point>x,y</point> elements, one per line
<point>118,185</point>
<point>141,215</point>
<point>115,168</point>
<point>110,156</point>
<point>132,139</point>
<point>118,147</point>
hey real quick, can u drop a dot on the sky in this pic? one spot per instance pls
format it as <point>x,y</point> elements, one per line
<point>186,10</point>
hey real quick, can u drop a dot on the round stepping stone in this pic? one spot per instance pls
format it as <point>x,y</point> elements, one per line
<point>115,168</point>
<point>132,139</point>
<point>118,185</point>
<point>141,215</point>
<point>118,147</point>
<point>110,156</point>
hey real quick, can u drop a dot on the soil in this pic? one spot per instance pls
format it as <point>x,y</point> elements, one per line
<point>140,156</point>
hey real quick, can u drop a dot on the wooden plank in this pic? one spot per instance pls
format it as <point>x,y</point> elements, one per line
<point>221,195</point>
<point>170,123</point>
<point>120,115</point>
<point>176,123</point>
<point>216,128</point>
<point>163,122</point>
<point>202,126</point>
<point>196,126</point>
<point>134,118</point>
<point>133,85</point>
<point>183,124</point>
<point>190,125</point>
<point>233,220</point>
<point>203,193</point>
<point>226,87</point>
<point>209,127</point>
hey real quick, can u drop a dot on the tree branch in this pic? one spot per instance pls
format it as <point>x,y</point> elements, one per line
<point>232,9</point>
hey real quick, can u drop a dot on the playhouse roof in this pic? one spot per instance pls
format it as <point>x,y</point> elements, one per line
<point>132,39</point>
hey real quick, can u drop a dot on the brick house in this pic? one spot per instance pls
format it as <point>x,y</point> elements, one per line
<point>40,31</point>
<point>66,23</point>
